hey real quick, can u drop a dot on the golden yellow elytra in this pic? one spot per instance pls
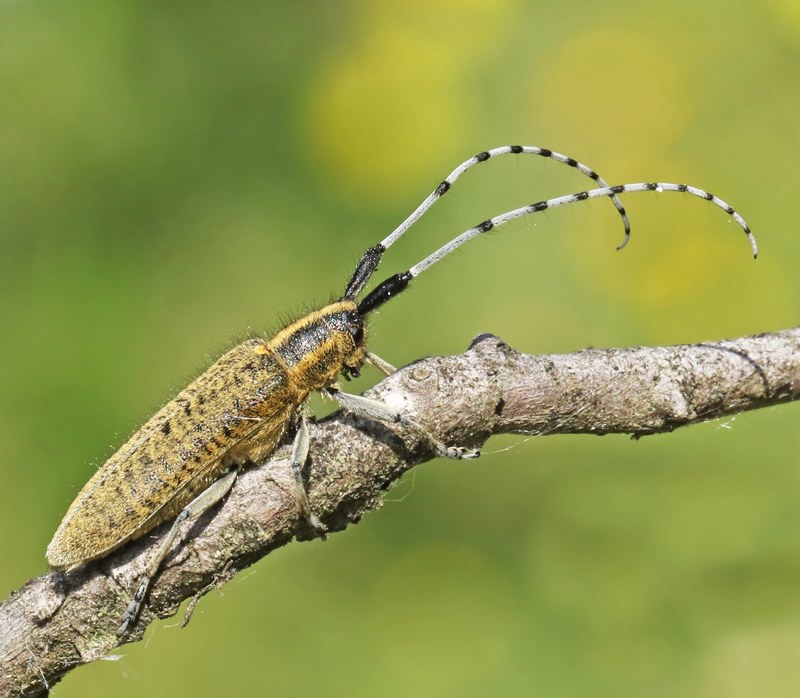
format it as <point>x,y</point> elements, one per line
<point>234,413</point>
<point>185,458</point>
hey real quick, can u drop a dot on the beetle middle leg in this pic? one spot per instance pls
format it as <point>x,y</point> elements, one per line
<point>299,457</point>
<point>373,409</point>
<point>193,510</point>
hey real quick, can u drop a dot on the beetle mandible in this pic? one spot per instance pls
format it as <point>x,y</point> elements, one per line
<point>185,458</point>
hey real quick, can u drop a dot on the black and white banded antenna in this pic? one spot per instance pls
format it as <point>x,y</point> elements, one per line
<point>397,283</point>
<point>369,262</point>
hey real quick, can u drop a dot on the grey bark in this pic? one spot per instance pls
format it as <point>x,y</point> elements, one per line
<point>61,620</point>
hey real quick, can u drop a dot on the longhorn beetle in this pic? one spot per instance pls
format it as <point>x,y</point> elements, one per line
<point>186,457</point>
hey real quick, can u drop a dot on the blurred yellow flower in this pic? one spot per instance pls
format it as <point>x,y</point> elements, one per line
<point>399,97</point>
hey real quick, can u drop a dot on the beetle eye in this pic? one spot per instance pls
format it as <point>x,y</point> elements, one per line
<point>355,326</point>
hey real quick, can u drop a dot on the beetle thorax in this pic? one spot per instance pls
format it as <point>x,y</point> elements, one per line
<point>320,346</point>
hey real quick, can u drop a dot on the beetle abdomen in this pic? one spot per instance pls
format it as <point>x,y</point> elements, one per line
<point>178,452</point>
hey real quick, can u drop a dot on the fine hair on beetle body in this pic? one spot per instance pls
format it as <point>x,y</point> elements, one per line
<point>186,457</point>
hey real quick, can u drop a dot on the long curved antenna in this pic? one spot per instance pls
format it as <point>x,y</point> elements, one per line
<point>397,283</point>
<point>448,182</point>
<point>369,262</point>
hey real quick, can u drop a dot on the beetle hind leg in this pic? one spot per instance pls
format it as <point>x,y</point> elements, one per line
<point>193,510</point>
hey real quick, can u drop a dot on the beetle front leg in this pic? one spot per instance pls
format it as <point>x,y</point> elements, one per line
<point>383,366</point>
<point>373,409</point>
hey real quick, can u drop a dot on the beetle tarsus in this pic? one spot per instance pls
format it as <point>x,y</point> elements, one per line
<point>134,607</point>
<point>457,452</point>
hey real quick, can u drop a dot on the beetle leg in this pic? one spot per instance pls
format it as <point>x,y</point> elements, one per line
<point>299,458</point>
<point>383,366</point>
<point>203,502</point>
<point>373,409</point>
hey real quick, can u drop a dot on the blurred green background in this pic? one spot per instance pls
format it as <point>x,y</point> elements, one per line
<point>174,176</point>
